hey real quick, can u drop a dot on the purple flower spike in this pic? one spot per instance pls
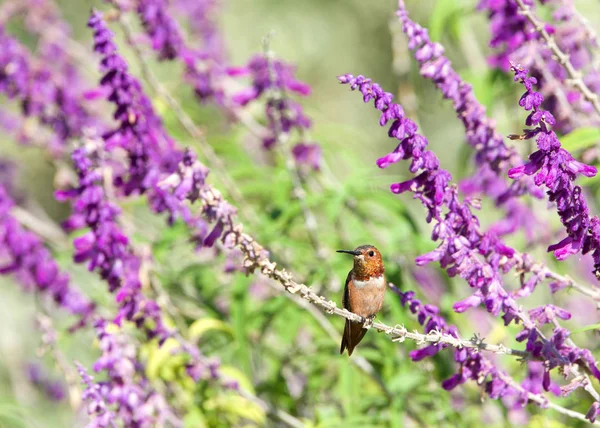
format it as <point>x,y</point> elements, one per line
<point>493,156</point>
<point>554,168</point>
<point>464,250</point>
<point>514,38</point>
<point>284,115</point>
<point>53,97</point>
<point>24,255</point>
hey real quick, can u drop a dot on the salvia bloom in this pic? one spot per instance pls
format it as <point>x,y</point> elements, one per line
<point>151,152</point>
<point>516,40</point>
<point>162,29</point>
<point>126,398</point>
<point>53,389</point>
<point>203,66</point>
<point>46,95</point>
<point>24,256</point>
<point>271,79</point>
<point>493,156</point>
<point>105,246</point>
<point>96,406</point>
<point>205,70</point>
<point>472,364</point>
<point>203,16</point>
<point>555,168</point>
<point>479,258</point>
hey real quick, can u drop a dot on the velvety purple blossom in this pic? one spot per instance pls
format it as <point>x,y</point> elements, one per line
<point>555,169</point>
<point>126,397</point>
<point>163,29</point>
<point>53,389</point>
<point>204,68</point>
<point>96,405</point>
<point>205,65</point>
<point>463,250</point>
<point>157,168</point>
<point>307,154</point>
<point>56,101</point>
<point>515,40</point>
<point>493,156</point>
<point>283,114</point>
<point>25,257</point>
<point>105,247</point>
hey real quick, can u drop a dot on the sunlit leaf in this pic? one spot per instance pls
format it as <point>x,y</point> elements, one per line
<point>204,325</point>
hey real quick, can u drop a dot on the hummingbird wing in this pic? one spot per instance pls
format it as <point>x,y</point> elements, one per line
<point>353,333</point>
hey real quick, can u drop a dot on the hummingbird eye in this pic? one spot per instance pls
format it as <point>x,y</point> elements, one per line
<point>371,253</point>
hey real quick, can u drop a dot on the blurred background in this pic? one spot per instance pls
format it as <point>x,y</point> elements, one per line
<point>268,342</point>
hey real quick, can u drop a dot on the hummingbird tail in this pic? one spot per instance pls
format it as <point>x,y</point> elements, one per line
<point>353,334</point>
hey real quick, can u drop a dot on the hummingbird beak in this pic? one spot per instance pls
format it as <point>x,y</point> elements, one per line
<point>353,252</point>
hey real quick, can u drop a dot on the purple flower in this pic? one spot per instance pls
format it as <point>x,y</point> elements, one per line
<point>204,67</point>
<point>547,314</point>
<point>516,40</point>
<point>24,256</point>
<point>555,168</point>
<point>53,389</point>
<point>43,93</point>
<point>162,28</point>
<point>96,403</point>
<point>493,156</point>
<point>307,154</point>
<point>126,395</point>
<point>283,114</point>
<point>479,258</point>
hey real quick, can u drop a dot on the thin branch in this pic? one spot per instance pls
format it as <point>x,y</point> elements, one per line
<point>45,325</point>
<point>256,259</point>
<point>48,231</point>
<point>575,76</point>
<point>541,400</point>
<point>359,361</point>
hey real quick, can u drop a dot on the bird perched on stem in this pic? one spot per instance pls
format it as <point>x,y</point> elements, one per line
<point>363,293</point>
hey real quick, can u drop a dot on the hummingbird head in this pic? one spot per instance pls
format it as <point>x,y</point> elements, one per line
<point>368,262</point>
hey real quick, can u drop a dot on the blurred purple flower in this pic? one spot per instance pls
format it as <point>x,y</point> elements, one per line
<point>53,389</point>
<point>56,101</point>
<point>307,154</point>
<point>126,396</point>
<point>204,67</point>
<point>24,255</point>
<point>162,29</point>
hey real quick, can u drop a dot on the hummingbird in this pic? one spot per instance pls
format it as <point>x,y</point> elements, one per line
<point>363,293</point>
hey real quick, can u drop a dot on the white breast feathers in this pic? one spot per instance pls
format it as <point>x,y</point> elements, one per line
<point>377,282</point>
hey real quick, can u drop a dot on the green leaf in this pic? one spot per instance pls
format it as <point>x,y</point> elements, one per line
<point>444,15</point>
<point>586,328</point>
<point>159,357</point>
<point>194,419</point>
<point>203,325</point>
<point>239,406</point>
<point>580,139</point>
<point>237,375</point>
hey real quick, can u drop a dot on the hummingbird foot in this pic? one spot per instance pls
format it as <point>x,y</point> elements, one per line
<point>368,322</point>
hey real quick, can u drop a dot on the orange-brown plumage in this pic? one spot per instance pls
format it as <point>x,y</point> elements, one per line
<point>364,292</point>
